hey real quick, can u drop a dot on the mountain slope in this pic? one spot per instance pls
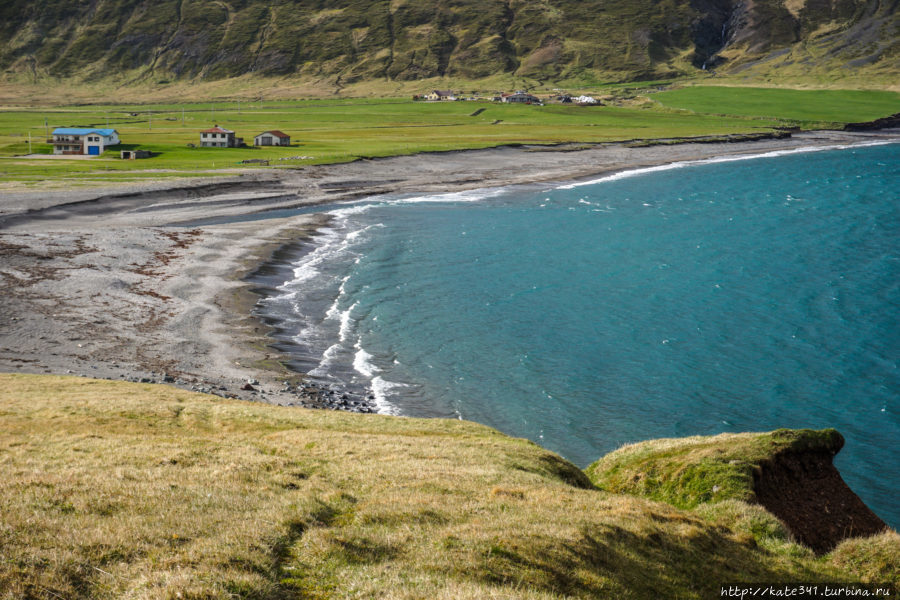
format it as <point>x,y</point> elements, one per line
<point>353,40</point>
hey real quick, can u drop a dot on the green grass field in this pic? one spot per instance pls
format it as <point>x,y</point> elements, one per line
<point>806,106</point>
<point>329,131</point>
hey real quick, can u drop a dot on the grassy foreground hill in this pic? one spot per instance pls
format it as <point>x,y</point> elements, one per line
<point>117,490</point>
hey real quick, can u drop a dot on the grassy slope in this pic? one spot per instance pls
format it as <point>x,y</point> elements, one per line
<point>687,472</point>
<point>327,131</point>
<point>111,490</point>
<point>346,43</point>
<point>355,40</point>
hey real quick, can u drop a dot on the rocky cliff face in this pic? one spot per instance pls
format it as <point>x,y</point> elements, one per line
<point>806,491</point>
<point>789,473</point>
<point>352,40</point>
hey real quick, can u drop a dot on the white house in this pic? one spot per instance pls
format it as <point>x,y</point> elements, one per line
<point>272,138</point>
<point>436,95</point>
<point>79,140</point>
<point>219,137</point>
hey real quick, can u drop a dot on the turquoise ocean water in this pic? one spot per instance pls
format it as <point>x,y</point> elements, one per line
<point>697,299</point>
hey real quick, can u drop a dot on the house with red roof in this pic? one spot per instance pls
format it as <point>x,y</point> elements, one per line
<point>272,138</point>
<point>219,137</point>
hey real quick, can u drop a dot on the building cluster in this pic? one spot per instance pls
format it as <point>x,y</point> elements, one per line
<point>517,97</point>
<point>219,137</point>
<point>93,142</point>
<point>450,96</point>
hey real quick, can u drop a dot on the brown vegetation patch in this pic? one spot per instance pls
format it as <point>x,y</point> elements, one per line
<point>27,265</point>
<point>154,294</point>
<point>160,259</point>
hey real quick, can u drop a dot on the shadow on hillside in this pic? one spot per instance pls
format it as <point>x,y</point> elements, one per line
<point>692,560</point>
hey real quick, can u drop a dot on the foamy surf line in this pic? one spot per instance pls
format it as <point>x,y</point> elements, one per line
<point>366,204</point>
<point>721,159</point>
<point>342,361</point>
<point>378,387</point>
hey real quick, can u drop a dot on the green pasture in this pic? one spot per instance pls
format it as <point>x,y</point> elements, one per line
<point>806,106</point>
<point>329,131</point>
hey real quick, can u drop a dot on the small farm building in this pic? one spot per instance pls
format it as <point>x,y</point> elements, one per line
<point>521,97</point>
<point>272,138</point>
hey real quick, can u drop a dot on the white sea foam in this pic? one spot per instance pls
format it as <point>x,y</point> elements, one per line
<point>719,159</point>
<point>362,362</point>
<point>328,241</point>
<point>334,242</point>
<point>334,245</point>
<point>332,351</point>
<point>330,244</point>
<point>381,389</point>
<point>333,311</point>
<point>464,196</point>
<point>347,322</point>
<point>327,360</point>
<point>356,208</point>
<point>354,235</point>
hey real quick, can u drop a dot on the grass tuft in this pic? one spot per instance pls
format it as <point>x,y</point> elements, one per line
<point>874,560</point>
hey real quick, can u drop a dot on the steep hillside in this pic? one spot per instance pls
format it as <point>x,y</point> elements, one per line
<point>118,490</point>
<point>344,41</point>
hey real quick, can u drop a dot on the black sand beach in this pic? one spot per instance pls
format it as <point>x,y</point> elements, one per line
<point>109,283</point>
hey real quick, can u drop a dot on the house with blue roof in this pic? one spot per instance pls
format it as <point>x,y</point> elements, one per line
<point>79,140</point>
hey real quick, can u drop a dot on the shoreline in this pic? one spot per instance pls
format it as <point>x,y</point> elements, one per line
<point>109,285</point>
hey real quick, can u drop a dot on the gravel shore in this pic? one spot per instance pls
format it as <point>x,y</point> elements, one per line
<point>108,283</point>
